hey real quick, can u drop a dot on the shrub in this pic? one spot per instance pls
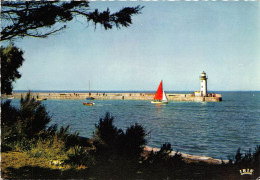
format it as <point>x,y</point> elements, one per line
<point>9,116</point>
<point>163,157</point>
<point>132,141</point>
<point>33,117</point>
<point>80,156</point>
<point>161,164</point>
<point>26,125</point>
<point>112,141</point>
<point>256,158</point>
<point>106,133</point>
<point>248,160</point>
<point>20,125</point>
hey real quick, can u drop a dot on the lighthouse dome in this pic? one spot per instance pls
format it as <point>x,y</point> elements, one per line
<point>203,76</point>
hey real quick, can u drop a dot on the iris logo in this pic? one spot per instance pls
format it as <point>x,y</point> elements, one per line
<point>246,171</point>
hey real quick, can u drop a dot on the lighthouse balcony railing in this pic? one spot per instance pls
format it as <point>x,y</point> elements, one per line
<point>203,77</point>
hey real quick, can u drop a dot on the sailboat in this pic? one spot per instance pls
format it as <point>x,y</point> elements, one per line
<point>160,96</point>
<point>89,97</point>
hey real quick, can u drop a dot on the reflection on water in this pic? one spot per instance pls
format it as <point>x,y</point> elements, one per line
<point>159,108</point>
<point>211,129</point>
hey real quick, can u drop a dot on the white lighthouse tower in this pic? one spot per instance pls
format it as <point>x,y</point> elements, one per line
<point>203,84</point>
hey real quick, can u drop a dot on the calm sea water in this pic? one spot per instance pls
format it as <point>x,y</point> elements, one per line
<point>215,129</point>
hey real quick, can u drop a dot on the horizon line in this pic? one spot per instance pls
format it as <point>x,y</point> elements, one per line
<point>137,90</point>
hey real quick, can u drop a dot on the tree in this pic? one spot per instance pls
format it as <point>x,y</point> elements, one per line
<point>11,60</point>
<point>111,141</point>
<point>43,18</point>
<point>33,117</point>
<point>24,123</point>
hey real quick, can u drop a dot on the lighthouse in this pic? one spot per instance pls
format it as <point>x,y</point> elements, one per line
<point>203,84</point>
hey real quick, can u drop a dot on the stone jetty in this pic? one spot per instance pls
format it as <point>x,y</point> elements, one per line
<point>117,96</point>
<point>198,96</point>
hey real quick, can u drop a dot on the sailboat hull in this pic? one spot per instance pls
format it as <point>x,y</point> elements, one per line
<point>159,102</point>
<point>90,98</point>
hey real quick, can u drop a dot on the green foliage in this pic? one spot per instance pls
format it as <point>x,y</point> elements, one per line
<point>112,142</point>
<point>23,124</point>
<point>26,125</point>
<point>238,157</point>
<point>115,154</point>
<point>249,160</point>
<point>33,117</point>
<point>106,133</point>
<point>163,157</point>
<point>9,117</point>
<point>48,17</point>
<point>256,158</point>
<point>11,60</point>
<point>163,165</point>
<point>81,156</point>
<point>132,142</point>
<point>25,129</point>
<point>70,139</point>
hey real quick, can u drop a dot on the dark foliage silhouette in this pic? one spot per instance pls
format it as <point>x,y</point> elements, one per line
<point>33,117</point>
<point>111,140</point>
<point>117,153</point>
<point>248,160</point>
<point>29,123</point>
<point>162,165</point>
<point>41,19</point>
<point>11,60</point>
<point>25,123</point>
<point>112,153</point>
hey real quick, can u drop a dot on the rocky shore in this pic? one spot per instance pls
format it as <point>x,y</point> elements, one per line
<point>190,158</point>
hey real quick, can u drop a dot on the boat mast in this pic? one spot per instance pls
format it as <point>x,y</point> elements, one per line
<point>89,88</point>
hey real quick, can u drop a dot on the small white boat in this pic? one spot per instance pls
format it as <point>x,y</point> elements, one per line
<point>160,96</point>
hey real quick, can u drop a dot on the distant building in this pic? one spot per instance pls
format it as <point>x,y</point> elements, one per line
<point>197,94</point>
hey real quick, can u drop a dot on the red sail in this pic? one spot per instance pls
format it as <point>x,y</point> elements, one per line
<point>159,93</point>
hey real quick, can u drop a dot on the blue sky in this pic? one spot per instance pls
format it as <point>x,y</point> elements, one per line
<point>169,41</point>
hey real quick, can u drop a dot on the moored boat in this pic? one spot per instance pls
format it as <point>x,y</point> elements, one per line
<point>160,96</point>
<point>90,98</point>
<point>88,103</point>
<point>39,99</point>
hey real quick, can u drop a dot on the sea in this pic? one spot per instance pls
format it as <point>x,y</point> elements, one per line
<point>214,129</point>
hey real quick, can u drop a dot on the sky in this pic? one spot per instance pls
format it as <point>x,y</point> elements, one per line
<point>173,41</point>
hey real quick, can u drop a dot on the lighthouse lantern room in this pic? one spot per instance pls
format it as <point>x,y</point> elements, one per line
<point>203,84</point>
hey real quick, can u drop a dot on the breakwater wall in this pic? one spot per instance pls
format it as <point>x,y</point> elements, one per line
<point>117,96</point>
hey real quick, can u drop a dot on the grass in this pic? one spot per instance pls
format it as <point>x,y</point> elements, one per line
<point>13,161</point>
<point>44,156</point>
<point>22,165</point>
